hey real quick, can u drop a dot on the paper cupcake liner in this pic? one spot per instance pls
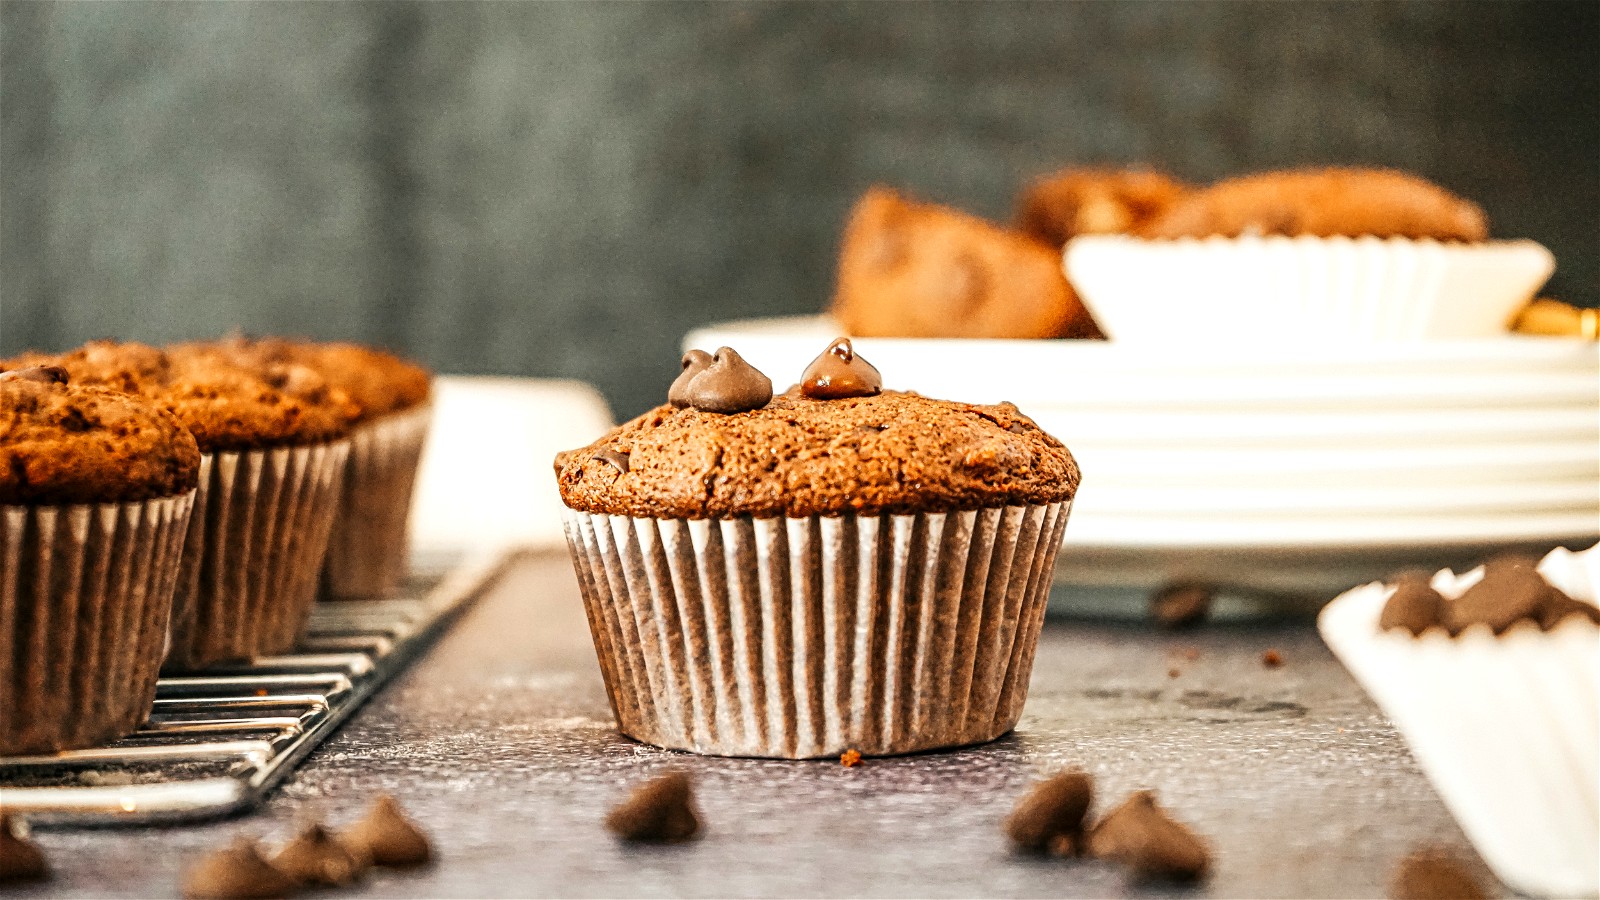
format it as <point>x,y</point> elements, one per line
<point>85,596</point>
<point>1257,288</point>
<point>367,551</point>
<point>807,637</point>
<point>253,552</point>
<point>1506,727</point>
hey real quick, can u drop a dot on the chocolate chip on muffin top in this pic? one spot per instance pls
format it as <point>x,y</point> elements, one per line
<point>797,456</point>
<point>64,443</point>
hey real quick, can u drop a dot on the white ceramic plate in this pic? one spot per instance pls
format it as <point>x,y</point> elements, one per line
<point>1366,532</point>
<point>1506,427</point>
<point>1311,499</point>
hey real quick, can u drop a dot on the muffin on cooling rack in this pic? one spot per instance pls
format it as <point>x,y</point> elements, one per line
<point>96,489</point>
<point>836,568</point>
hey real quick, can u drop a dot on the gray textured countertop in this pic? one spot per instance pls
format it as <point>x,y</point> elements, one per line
<point>500,742</point>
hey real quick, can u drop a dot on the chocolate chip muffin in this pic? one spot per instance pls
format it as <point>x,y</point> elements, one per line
<point>96,489</point>
<point>836,568</point>
<point>367,551</point>
<point>274,444</point>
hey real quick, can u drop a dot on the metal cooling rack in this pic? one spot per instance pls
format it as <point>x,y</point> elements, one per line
<point>215,744</point>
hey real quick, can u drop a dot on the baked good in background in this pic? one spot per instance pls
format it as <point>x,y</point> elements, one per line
<point>1354,255</point>
<point>834,568</point>
<point>911,269</point>
<point>1059,207</point>
<point>273,447</point>
<point>96,491</point>
<point>369,542</point>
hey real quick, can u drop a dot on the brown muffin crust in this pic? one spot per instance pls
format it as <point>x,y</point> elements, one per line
<point>377,382</point>
<point>1071,202</point>
<point>890,453</point>
<point>65,443</point>
<point>226,406</point>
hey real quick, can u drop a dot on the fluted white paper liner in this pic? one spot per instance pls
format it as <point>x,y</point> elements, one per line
<point>806,637</point>
<point>85,597</point>
<point>253,553</point>
<point>367,549</point>
<point>1261,288</point>
<point>1507,727</point>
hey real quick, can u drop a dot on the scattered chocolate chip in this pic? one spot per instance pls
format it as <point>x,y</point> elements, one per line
<point>1510,590</point>
<point>1272,659</point>
<point>1139,834</point>
<point>694,362</point>
<point>839,373</point>
<point>1052,809</point>
<point>41,374</point>
<point>615,458</point>
<point>661,810</point>
<point>728,385</point>
<point>1173,673</point>
<point>1181,605</point>
<point>1415,606</point>
<point>850,759</point>
<point>1431,875</point>
<point>239,872</point>
<point>20,858</point>
<point>387,837</point>
<point>317,857</point>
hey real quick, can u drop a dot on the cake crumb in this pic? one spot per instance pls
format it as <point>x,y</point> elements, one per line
<point>850,759</point>
<point>1272,659</point>
<point>1173,673</point>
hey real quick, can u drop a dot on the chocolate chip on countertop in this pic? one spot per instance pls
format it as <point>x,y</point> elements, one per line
<point>660,811</point>
<point>1051,811</point>
<point>20,858</point>
<point>839,373</point>
<point>317,857</point>
<point>1139,834</point>
<point>237,872</point>
<point>1181,604</point>
<point>1431,875</point>
<point>388,837</point>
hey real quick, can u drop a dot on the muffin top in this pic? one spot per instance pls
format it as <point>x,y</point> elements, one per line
<point>227,406</point>
<point>811,451</point>
<point>65,443</point>
<point>377,382</point>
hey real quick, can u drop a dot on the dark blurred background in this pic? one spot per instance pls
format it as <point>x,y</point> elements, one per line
<point>564,189</point>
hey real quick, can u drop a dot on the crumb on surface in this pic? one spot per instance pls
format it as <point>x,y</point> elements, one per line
<point>850,759</point>
<point>1272,659</point>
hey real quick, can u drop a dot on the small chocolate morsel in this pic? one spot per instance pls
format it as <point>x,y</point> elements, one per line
<point>41,374</point>
<point>617,459</point>
<point>729,385</point>
<point>1052,810</point>
<point>316,857</point>
<point>661,811</point>
<point>1415,606</point>
<point>1181,605</point>
<point>1272,659</point>
<point>1431,875</point>
<point>694,362</point>
<point>1139,834</point>
<point>238,872</point>
<point>839,373</point>
<point>387,837</point>
<point>1509,591</point>
<point>20,859</point>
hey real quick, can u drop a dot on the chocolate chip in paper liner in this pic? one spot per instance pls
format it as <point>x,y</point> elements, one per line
<point>1140,835</point>
<point>1415,606</point>
<point>1053,809</point>
<point>659,811</point>
<point>1181,604</point>
<point>237,872</point>
<point>1433,875</point>
<point>20,858</point>
<point>388,837</point>
<point>317,857</point>
<point>1510,590</point>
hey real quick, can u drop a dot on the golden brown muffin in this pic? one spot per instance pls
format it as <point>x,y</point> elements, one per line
<point>226,406</point>
<point>62,443</point>
<point>377,382</point>
<point>1323,203</point>
<point>909,269</point>
<point>889,453</point>
<point>1071,202</point>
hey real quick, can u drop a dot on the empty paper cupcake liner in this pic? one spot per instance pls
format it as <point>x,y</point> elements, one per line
<point>807,637</point>
<point>1507,727</point>
<point>1261,288</point>
<point>254,549</point>
<point>367,550</point>
<point>85,597</point>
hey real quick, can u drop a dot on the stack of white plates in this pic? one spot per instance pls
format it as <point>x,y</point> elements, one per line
<point>1292,468</point>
